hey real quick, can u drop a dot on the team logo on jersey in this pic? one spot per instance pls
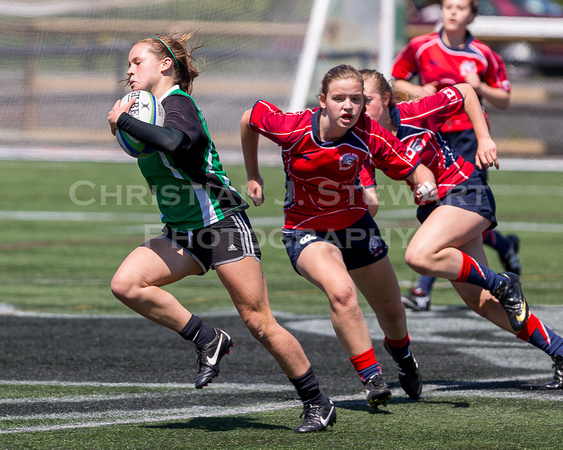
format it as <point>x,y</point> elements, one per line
<point>347,161</point>
<point>467,68</point>
<point>307,238</point>
<point>417,145</point>
<point>410,152</point>
<point>450,93</point>
<point>375,245</point>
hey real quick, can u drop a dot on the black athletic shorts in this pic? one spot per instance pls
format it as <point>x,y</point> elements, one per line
<point>361,244</point>
<point>229,240</point>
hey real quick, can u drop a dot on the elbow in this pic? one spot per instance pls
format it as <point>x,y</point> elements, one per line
<point>245,119</point>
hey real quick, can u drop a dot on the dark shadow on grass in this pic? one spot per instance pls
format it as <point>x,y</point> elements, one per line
<point>446,402</point>
<point>510,385</point>
<point>219,424</point>
<point>360,405</point>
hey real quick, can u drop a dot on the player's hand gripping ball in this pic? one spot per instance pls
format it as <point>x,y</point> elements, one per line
<point>148,109</point>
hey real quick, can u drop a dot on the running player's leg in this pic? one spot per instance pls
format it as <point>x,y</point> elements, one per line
<point>250,297</point>
<point>434,251</point>
<point>534,332</point>
<point>507,247</point>
<point>418,298</point>
<point>465,144</point>
<point>476,298</point>
<point>137,283</point>
<point>322,264</point>
<point>378,283</point>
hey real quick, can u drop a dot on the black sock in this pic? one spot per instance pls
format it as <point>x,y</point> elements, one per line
<point>307,387</point>
<point>197,332</point>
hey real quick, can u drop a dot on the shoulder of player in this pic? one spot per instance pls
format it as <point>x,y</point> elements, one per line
<point>179,101</point>
<point>483,48</point>
<point>178,98</point>
<point>367,128</point>
<point>424,38</point>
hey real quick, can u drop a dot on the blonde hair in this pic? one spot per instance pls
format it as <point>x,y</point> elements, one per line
<point>384,87</point>
<point>180,48</point>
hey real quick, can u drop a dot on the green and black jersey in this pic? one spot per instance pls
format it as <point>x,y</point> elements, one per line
<point>191,187</point>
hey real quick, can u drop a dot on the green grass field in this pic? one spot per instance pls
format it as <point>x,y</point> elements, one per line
<point>66,226</point>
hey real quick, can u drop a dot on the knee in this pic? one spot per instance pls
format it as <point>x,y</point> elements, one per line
<point>123,288</point>
<point>418,260</point>
<point>343,298</point>
<point>259,325</point>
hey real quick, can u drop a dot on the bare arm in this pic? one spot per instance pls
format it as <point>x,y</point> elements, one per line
<point>486,155</point>
<point>495,96</point>
<point>370,196</point>
<point>415,89</point>
<point>425,184</point>
<point>249,141</point>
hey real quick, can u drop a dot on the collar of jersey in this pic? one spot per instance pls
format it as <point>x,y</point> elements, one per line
<point>468,39</point>
<point>169,91</point>
<point>315,118</point>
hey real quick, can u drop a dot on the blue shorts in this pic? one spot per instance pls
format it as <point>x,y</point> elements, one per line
<point>361,243</point>
<point>472,195</point>
<point>465,144</point>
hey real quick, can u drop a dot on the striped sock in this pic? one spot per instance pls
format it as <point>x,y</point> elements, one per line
<point>399,348</point>
<point>537,334</point>
<point>366,364</point>
<point>475,273</point>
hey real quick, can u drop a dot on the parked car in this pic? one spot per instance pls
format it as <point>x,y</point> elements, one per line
<point>543,54</point>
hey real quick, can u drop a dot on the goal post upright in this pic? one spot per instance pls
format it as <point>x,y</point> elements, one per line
<point>309,53</point>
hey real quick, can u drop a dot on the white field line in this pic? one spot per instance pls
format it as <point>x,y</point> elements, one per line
<point>381,218</point>
<point>231,156</point>
<point>121,417</point>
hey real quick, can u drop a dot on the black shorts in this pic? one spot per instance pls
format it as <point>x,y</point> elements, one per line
<point>229,240</point>
<point>472,195</point>
<point>361,244</point>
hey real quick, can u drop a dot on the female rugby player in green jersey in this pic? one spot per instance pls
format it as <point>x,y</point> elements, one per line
<point>205,227</point>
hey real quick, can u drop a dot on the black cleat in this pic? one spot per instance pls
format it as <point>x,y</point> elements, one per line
<point>511,260</point>
<point>377,392</point>
<point>209,356</point>
<point>317,416</point>
<point>417,300</point>
<point>509,294</point>
<point>557,382</point>
<point>410,377</point>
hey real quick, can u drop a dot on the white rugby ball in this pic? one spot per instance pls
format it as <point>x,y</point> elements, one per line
<point>148,109</point>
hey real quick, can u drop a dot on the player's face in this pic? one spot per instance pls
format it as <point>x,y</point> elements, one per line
<point>144,68</point>
<point>375,107</point>
<point>342,105</point>
<point>456,15</point>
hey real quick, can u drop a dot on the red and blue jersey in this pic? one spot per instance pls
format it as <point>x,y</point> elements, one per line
<point>428,57</point>
<point>418,124</point>
<point>322,178</point>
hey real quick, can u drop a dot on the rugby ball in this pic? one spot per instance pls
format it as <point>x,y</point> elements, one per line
<point>146,108</point>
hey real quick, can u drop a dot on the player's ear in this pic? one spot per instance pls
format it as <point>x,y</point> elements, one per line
<point>386,98</point>
<point>165,64</point>
<point>322,101</point>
